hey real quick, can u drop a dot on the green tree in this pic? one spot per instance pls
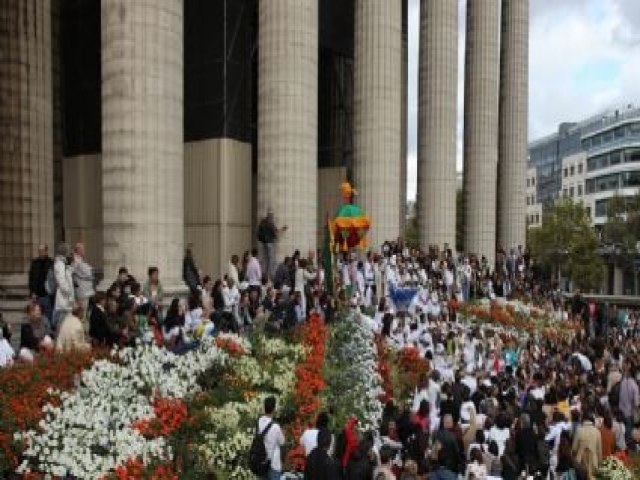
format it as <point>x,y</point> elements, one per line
<point>412,233</point>
<point>459,221</point>
<point>623,223</point>
<point>567,244</point>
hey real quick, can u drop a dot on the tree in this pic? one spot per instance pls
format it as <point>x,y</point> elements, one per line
<point>623,223</point>
<point>459,221</point>
<point>567,244</point>
<point>412,233</point>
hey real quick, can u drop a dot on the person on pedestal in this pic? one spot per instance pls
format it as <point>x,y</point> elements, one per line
<point>190,273</point>
<point>267,236</point>
<point>38,272</point>
<point>65,294</point>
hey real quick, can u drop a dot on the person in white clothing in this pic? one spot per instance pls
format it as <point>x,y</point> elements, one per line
<point>65,294</point>
<point>254,272</point>
<point>232,269</point>
<point>273,440</point>
<point>309,438</point>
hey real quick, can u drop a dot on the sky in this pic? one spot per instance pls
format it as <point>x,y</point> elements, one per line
<point>584,58</point>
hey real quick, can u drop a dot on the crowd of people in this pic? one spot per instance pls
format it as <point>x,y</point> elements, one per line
<point>489,408</point>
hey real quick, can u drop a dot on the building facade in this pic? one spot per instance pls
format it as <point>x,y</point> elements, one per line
<point>140,127</point>
<point>591,162</point>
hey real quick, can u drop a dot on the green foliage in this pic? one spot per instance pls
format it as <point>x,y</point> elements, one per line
<point>566,243</point>
<point>460,221</point>
<point>412,233</point>
<point>623,226</point>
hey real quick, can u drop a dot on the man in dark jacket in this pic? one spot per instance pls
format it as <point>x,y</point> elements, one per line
<point>319,465</point>
<point>40,266</point>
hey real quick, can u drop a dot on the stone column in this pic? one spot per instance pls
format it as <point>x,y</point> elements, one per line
<point>288,119</point>
<point>437,117</point>
<point>482,66</point>
<point>26,132</point>
<point>377,114</point>
<point>514,100</point>
<point>142,137</point>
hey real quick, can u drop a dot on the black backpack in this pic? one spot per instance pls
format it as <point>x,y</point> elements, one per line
<point>259,461</point>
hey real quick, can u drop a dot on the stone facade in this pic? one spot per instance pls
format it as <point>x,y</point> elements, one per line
<point>377,114</point>
<point>142,137</point>
<point>218,198</point>
<point>482,67</point>
<point>26,132</point>
<point>514,101</point>
<point>437,120</point>
<point>288,119</point>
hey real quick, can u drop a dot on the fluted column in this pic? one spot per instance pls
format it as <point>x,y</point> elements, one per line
<point>288,119</point>
<point>142,137</point>
<point>377,114</point>
<point>481,126</point>
<point>514,100</point>
<point>438,97</point>
<point>26,132</point>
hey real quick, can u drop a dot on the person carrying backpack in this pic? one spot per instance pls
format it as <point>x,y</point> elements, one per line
<point>264,456</point>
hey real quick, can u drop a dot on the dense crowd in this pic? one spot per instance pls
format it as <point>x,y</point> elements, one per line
<point>488,408</point>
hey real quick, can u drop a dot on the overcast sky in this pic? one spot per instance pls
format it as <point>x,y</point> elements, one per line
<point>584,57</point>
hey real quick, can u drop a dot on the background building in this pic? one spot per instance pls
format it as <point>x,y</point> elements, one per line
<point>590,162</point>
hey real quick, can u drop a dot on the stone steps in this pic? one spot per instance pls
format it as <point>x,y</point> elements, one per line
<point>14,295</point>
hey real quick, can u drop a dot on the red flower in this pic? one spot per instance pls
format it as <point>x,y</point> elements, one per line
<point>309,384</point>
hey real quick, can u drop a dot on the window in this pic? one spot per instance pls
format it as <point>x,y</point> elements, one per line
<point>528,201</point>
<point>607,137</point>
<point>632,155</point>
<point>528,182</point>
<point>615,158</point>
<point>631,179</point>
<point>572,170</point>
<point>592,164</point>
<point>537,218</point>
<point>603,161</point>
<point>586,143</point>
<point>601,207</point>
<point>590,185</point>
<point>619,132</point>
<point>596,141</point>
<point>533,182</point>
<point>566,172</point>
<point>634,129</point>
<point>565,192</point>
<point>588,209</point>
<point>579,168</point>
<point>571,191</point>
<point>579,190</point>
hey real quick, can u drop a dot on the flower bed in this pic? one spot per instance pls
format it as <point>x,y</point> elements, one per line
<point>309,385</point>
<point>145,412</point>
<point>26,389</point>
<point>518,319</point>
<point>354,384</point>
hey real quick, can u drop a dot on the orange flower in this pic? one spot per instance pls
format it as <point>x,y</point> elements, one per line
<point>309,384</point>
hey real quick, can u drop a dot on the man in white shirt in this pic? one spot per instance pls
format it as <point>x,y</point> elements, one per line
<point>273,440</point>
<point>254,272</point>
<point>309,439</point>
<point>232,269</point>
